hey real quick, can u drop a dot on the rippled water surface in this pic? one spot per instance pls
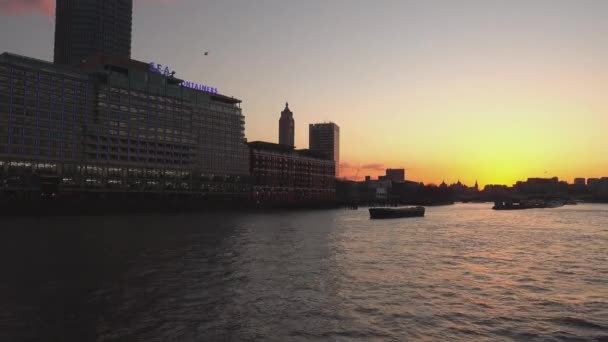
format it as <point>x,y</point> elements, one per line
<point>463,272</point>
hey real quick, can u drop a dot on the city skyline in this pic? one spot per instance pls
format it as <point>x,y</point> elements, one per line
<point>471,91</point>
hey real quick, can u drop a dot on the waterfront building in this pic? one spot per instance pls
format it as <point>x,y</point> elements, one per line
<point>395,175</point>
<point>286,127</point>
<point>114,125</point>
<point>282,175</point>
<point>578,187</point>
<point>497,189</point>
<point>600,189</point>
<point>539,186</point>
<point>90,28</point>
<point>579,181</point>
<point>325,139</point>
<point>592,183</point>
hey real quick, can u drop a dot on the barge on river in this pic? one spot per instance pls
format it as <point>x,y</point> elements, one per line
<point>384,213</point>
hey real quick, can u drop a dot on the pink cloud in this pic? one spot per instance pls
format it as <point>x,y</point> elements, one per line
<point>162,2</point>
<point>46,7</point>
<point>375,167</point>
<point>353,171</point>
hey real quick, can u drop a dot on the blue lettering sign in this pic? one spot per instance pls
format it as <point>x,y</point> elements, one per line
<point>158,69</point>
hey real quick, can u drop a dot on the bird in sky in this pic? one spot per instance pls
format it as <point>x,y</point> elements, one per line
<point>206,53</point>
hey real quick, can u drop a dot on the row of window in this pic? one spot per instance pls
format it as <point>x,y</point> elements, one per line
<point>75,170</point>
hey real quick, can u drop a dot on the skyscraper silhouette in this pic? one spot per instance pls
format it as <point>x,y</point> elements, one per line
<point>325,139</point>
<point>286,127</point>
<point>85,28</point>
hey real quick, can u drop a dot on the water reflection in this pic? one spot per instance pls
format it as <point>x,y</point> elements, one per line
<point>462,272</point>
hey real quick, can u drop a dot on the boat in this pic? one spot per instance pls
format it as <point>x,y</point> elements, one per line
<point>527,204</point>
<point>555,203</point>
<point>508,205</point>
<point>383,213</point>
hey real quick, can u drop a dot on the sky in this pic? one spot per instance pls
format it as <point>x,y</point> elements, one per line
<point>487,90</point>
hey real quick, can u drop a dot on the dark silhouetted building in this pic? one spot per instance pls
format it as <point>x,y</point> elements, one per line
<point>325,139</point>
<point>579,181</point>
<point>592,184</point>
<point>599,188</point>
<point>286,127</point>
<point>85,28</point>
<point>395,175</point>
<point>497,189</point>
<point>578,187</point>
<point>538,186</point>
<point>283,175</point>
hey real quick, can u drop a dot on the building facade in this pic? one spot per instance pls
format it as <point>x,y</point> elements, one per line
<point>283,175</point>
<point>395,175</point>
<point>85,28</point>
<point>324,138</point>
<point>116,127</point>
<point>539,186</point>
<point>286,127</point>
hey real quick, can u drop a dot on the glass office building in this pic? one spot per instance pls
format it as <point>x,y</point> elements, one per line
<point>112,125</point>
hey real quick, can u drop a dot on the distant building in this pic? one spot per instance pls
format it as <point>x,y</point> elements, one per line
<point>592,183</point>
<point>325,139</point>
<point>283,175</point>
<point>395,175</point>
<point>377,190</point>
<point>538,186</point>
<point>578,187</point>
<point>600,190</point>
<point>90,28</point>
<point>459,187</point>
<point>496,188</point>
<point>286,127</point>
<point>368,178</point>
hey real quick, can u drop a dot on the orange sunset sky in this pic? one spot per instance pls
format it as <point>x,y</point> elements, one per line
<point>494,91</point>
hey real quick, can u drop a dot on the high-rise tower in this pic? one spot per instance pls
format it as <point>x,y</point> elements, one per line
<point>85,28</point>
<point>286,127</point>
<point>325,139</point>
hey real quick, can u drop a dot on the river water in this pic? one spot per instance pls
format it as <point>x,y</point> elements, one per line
<point>463,272</point>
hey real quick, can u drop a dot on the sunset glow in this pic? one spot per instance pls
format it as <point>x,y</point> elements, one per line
<point>468,90</point>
